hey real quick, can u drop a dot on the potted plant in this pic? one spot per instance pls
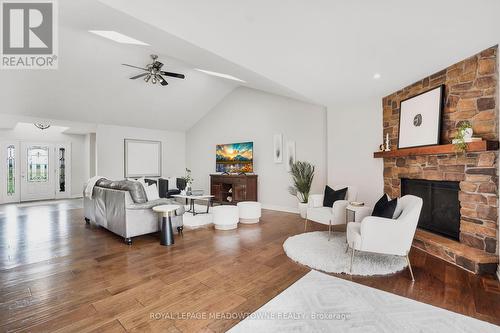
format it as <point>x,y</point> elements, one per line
<point>189,181</point>
<point>302,177</point>
<point>464,135</point>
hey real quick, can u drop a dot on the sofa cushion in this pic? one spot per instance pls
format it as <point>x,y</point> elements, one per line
<point>135,189</point>
<point>152,192</point>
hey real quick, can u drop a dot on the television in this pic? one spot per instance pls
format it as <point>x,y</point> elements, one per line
<point>235,157</point>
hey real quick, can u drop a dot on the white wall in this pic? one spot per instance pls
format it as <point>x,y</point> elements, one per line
<point>354,133</point>
<point>28,132</point>
<point>252,115</point>
<point>110,149</point>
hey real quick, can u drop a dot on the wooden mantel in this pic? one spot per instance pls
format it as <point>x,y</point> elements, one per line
<point>477,146</point>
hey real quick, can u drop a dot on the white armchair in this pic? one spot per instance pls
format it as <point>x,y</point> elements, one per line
<point>329,215</point>
<point>387,236</point>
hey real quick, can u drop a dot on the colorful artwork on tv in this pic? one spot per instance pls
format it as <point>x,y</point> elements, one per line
<point>235,157</point>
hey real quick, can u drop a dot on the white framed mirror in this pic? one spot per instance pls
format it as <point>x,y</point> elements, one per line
<point>142,158</point>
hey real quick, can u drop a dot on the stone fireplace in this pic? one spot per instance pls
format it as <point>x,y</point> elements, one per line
<point>471,92</point>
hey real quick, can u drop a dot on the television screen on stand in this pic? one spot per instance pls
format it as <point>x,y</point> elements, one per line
<point>235,158</point>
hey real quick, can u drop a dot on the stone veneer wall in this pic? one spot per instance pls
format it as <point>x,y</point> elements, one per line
<point>470,94</point>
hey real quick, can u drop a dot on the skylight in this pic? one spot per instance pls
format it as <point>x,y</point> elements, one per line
<point>225,76</point>
<point>117,37</point>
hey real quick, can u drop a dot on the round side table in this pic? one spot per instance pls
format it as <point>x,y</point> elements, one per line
<point>166,234</point>
<point>356,213</point>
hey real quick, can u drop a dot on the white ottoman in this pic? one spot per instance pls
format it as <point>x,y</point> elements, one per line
<point>250,212</point>
<point>225,217</point>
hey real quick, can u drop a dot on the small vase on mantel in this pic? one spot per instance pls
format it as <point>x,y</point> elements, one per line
<point>387,143</point>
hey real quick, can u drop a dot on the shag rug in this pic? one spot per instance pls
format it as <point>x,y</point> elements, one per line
<point>313,249</point>
<point>322,303</point>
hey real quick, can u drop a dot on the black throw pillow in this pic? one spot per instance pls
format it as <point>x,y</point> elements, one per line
<point>331,196</point>
<point>385,208</point>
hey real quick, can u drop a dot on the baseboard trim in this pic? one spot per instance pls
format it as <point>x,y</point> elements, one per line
<point>281,208</point>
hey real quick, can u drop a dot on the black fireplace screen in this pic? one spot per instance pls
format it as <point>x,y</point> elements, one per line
<point>441,210</point>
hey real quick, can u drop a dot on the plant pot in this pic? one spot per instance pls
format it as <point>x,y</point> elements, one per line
<point>467,134</point>
<point>303,210</point>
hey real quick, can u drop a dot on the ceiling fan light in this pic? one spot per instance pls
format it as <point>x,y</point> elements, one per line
<point>153,73</point>
<point>42,126</point>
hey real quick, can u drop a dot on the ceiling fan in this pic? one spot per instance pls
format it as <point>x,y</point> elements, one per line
<point>154,72</point>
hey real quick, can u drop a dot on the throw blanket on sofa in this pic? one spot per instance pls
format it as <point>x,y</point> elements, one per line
<point>89,187</point>
<point>135,189</point>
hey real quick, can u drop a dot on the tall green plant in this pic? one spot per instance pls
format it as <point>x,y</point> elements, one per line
<point>302,177</point>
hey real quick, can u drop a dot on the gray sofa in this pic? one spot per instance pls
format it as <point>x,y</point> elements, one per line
<point>122,207</point>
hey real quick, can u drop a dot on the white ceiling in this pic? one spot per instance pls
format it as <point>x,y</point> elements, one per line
<point>329,50</point>
<point>91,86</point>
<point>325,52</point>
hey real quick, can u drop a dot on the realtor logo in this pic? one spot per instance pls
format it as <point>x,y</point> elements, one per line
<point>29,34</point>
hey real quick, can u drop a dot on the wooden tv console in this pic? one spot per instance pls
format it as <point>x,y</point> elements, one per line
<point>238,187</point>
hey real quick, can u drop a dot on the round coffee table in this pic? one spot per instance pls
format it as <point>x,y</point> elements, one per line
<point>166,234</point>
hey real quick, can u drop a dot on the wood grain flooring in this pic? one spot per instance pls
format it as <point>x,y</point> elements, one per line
<point>59,275</point>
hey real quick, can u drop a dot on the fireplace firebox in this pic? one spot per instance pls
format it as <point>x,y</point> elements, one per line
<point>441,209</point>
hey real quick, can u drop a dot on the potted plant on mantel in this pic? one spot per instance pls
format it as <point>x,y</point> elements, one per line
<point>302,176</point>
<point>464,135</point>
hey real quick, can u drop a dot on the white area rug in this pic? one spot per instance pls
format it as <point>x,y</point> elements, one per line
<point>322,303</point>
<point>314,250</point>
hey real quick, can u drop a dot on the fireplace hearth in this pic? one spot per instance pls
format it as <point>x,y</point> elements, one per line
<point>441,209</point>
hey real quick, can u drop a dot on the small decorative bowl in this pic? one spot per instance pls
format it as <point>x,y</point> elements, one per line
<point>357,203</point>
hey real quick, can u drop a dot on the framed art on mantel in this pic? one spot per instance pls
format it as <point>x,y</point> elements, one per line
<point>420,119</point>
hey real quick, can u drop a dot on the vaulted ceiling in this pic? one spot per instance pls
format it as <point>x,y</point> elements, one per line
<point>329,50</point>
<point>325,52</point>
<point>91,86</point>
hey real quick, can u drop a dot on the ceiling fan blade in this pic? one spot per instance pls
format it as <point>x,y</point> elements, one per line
<point>179,76</point>
<point>138,76</point>
<point>160,78</point>
<point>144,69</point>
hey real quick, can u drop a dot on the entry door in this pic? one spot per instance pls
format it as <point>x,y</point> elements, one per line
<point>37,171</point>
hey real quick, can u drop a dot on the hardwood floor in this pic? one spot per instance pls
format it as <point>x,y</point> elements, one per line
<point>58,274</point>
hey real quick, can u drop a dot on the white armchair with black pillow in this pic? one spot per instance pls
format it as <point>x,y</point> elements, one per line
<point>392,234</point>
<point>319,210</point>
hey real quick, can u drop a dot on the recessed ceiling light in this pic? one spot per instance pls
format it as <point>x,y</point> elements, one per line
<point>117,37</point>
<point>377,76</point>
<point>225,76</point>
